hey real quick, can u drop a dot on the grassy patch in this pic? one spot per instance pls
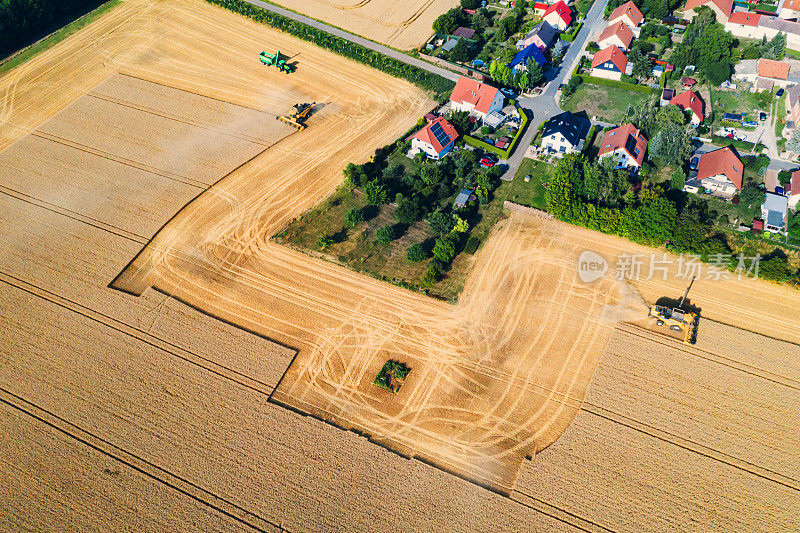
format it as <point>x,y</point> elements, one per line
<point>741,102</point>
<point>608,103</point>
<point>55,37</point>
<point>391,376</point>
<point>531,193</point>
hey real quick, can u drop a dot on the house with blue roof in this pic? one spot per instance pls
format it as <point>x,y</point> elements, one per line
<point>529,53</point>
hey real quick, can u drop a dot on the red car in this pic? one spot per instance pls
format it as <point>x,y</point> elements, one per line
<point>487,162</point>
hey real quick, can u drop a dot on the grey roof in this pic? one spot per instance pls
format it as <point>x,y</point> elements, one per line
<point>463,197</point>
<point>779,24</point>
<point>746,67</point>
<point>572,127</point>
<point>792,94</point>
<point>775,202</point>
<point>775,219</point>
<point>449,45</point>
<point>545,31</point>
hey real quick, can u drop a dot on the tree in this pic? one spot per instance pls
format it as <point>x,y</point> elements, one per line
<point>444,250</point>
<point>429,277</point>
<point>678,179</point>
<point>354,175</point>
<point>718,72</point>
<point>500,72</point>
<point>393,173</point>
<point>448,22</point>
<point>354,217</point>
<point>651,223</point>
<point>641,64</point>
<point>416,253</point>
<point>751,196</point>
<point>480,21</point>
<point>385,234</point>
<point>460,121</point>
<point>571,86</point>
<point>375,193</point>
<point>440,223</point>
<point>462,51</point>
<point>793,144</point>
<point>535,73</point>
<point>407,211</point>
<point>561,197</point>
<point>459,224</point>
<point>774,48</point>
<point>669,114</point>
<point>672,144</point>
<point>558,50</point>
<point>523,81</point>
<point>470,4</point>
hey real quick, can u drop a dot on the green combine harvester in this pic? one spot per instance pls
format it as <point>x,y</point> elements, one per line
<point>269,59</point>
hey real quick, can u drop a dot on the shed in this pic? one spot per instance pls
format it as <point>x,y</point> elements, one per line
<point>463,198</point>
<point>495,119</point>
<point>733,117</point>
<point>449,45</point>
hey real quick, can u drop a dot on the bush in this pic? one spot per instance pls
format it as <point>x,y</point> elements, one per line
<point>416,253</point>
<point>429,277</point>
<point>354,217</point>
<point>620,85</point>
<point>324,241</point>
<point>472,245</point>
<point>444,250</point>
<point>385,234</point>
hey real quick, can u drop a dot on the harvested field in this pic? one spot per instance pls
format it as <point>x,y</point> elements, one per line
<point>124,412</point>
<point>403,25</point>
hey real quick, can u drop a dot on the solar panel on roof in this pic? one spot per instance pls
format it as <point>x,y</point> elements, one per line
<point>441,137</point>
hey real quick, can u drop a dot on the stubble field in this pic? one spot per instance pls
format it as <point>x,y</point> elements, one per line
<point>125,412</point>
<point>402,25</point>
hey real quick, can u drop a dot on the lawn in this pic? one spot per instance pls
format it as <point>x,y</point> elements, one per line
<point>609,104</point>
<point>530,193</point>
<point>743,102</point>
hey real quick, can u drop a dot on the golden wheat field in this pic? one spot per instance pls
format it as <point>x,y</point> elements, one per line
<point>153,335</point>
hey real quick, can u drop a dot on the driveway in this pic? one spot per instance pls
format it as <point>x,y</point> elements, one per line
<point>544,106</point>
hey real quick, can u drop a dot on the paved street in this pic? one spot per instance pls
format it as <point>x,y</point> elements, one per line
<point>400,56</point>
<point>545,106</point>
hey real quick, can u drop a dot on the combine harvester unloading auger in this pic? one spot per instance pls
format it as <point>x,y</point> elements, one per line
<point>280,64</point>
<point>298,118</point>
<point>678,318</point>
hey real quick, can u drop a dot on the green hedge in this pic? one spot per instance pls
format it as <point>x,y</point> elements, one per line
<point>570,35</point>
<point>472,141</point>
<point>739,145</point>
<point>435,84</point>
<point>620,85</point>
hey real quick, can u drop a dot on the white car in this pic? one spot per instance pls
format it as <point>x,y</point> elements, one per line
<point>741,137</point>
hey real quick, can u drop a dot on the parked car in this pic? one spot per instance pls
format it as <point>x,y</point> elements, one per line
<point>762,116</point>
<point>729,136</point>
<point>487,162</point>
<point>750,124</point>
<point>694,162</point>
<point>508,93</point>
<point>741,137</point>
<point>779,93</point>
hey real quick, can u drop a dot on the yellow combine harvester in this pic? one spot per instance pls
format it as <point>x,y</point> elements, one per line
<point>298,118</point>
<point>678,318</point>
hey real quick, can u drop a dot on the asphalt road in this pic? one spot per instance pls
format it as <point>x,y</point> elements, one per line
<point>385,50</point>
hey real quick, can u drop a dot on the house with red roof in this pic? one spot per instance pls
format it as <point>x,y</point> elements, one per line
<point>769,68</point>
<point>793,107</point>
<point>691,101</point>
<point>475,97</point>
<point>720,172</point>
<point>793,190</point>
<point>618,34</point>
<point>627,13</point>
<point>435,139</point>
<point>626,146</point>
<point>610,63</point>
<point>790,9</point>
<point>721,8</point>
<point>558,15</point>
<point>744,24</point>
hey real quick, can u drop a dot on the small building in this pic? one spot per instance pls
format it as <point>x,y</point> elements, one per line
<point>777,71</point>
<point>541,35</point>
<point>495,119</point>
<point>743,24</point>
<point>721,8</point>
<point>565,133</point>
<point>626,146</point>
<point>558,15</point>
<point>757,226</point>
<point>610,63</point>
<point>688,83</point>
<point>463,32</point>
<point>775,212</point>
<point>721,172</point>
<point>763,84</point>
<point>792,190</point>
<point>666,96</point>
<point>618,34</point>
<point>793,107</point>
<point>449,45</point>
<point>475,97</point>
<point>464,198</point>
<point>627,13</point>
<point>732,117</point>
<point>525,56</point>
<point>435,139</point>
<point>689,100</point>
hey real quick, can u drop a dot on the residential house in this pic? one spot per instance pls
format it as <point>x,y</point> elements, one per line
<point>525,56</point>
<point>775,212</point>
<point>790,9</point>
<point>756,26</point>
<point>721,172</point>
<point>617,34</point>
<point>610,63</point>
<point>627,13</point>
<point>565,133</point>
<point>541,35</point>
<point>558,15</point>
<point>435,139</point>
<point>540,7</point>
<point>475,97</point>
<point>744,24</point>
<point>626,146</point>
<point>793,190</point>
<point>689,100</point>
<point>793,107</point>
<point>721,8</point>
<point>776,71</point>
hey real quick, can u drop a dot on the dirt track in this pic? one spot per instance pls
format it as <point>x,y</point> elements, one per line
<point>156,410</point>
<point>403,25</point>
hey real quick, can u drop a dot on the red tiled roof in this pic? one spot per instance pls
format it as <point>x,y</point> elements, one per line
<point>792,4</point>
<point>745,18</point>
<point>618,138</point>
<point>466,33</point>
<point>691,82</point>
<point>758,225</point>
<point>562,9</point>
<point>426,136</point>
<point>630,9</point>
<point>773,69</point>
<point>794,185</point>
<point>726,6</point>
<point>474,92</point>
<point>621,30</point>
<point>722,161</point>
<point>611,53</point>
<point>689,100</point>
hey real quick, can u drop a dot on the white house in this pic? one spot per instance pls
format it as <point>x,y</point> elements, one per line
<point>618,34</point>
<point>793,190</point>
<point>565,133</point>
<point>610,63</point>
<point>558,15</point>
<point>475,97</point>
<point>626,146</point>
<point>720,172</point>
<point>435,139</point>
<point>775,212</point>
<point>627,13</point>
